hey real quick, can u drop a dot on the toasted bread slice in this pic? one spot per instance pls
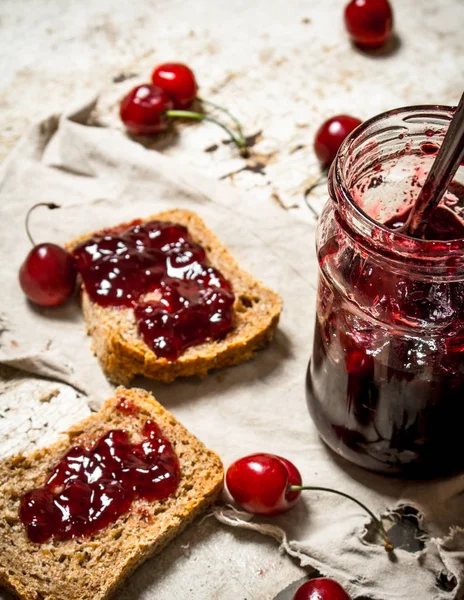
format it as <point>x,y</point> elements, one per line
<point>122,352</point>
<point>91,568</point>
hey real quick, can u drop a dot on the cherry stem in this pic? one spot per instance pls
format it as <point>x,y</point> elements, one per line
<point>229,114</point>
<point>50,205</point>
<point>299,488</point>
<point>308,191</point>
<point>239,141</point>
<point>322,179</point>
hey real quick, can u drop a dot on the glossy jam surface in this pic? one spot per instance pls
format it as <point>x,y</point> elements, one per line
<point>178,298</point>
<point>91,487</point>
<point>385,384</point>
<point>444,226</point>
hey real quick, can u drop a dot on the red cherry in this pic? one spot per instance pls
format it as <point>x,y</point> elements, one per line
<point>142,109</point>
<point>358,362</point>
<point>321,589</point>
<point>330,136</point>
<point>178,81</point>
<point>259,483</point>
<point>48,275</point>
<point>369,22</point>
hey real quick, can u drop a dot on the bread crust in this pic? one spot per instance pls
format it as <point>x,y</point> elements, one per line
<point>123,354</point>
<point>92,568</point>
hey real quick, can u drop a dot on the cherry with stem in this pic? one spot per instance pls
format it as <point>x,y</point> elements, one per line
<point>269,485</point>
<point>148,109</point>
<point>48,274</point>
<point>178,81</point>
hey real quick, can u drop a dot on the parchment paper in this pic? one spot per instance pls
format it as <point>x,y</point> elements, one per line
<point>101,178</point>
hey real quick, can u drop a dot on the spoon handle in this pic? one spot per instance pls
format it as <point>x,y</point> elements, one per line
<point>446,164</point>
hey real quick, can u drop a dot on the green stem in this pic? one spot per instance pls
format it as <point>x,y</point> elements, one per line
<point>226,112</point>
<point>298,488</point>
<point>188,114</point>
<point>50,205</point>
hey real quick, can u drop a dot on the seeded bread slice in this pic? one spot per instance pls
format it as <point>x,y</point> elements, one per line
<point>122,352</point>
<point>91,568</point>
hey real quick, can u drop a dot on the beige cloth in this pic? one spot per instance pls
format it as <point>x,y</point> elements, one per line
<point>102,178</point>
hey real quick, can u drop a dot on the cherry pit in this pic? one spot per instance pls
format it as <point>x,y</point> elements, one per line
<point>267,484</point>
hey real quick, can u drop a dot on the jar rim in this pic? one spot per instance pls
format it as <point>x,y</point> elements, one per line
<point>409,246</point>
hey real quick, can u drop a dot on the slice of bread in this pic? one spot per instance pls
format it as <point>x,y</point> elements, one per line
<point>122,352</point>
<point>91,568</point>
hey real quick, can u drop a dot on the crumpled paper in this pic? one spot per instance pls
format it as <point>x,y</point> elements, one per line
<point>101,178</point>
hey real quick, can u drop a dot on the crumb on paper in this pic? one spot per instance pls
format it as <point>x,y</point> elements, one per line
<point>47,395</point>
<point>123,77</point>
<point>296,148</point>
<point>275,196</point>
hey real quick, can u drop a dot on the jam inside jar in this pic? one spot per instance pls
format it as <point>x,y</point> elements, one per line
<point>385,384</point>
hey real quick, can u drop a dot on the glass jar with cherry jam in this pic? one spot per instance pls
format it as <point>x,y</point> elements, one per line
<point>385,384</point>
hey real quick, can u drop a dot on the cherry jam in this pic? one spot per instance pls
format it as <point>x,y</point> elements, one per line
<point>155,268</point>
<point>386,392</point>
<point>385,383</point>
<point>91,487</point>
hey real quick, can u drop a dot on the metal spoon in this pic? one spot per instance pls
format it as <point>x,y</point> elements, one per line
<point>441,174</point>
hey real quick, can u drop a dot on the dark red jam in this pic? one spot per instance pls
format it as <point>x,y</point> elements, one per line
<point>91,487</point>
<point>189,301</point>
<point>386,379</point>
<point>126,406</point>
<point>444,226</point>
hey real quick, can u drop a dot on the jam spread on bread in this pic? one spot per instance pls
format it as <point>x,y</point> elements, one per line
<point>91,487</point>
<point>154,267</point>
<point>126,406</point>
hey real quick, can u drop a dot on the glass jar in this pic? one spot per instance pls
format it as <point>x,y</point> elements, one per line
<point>385,384</point>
